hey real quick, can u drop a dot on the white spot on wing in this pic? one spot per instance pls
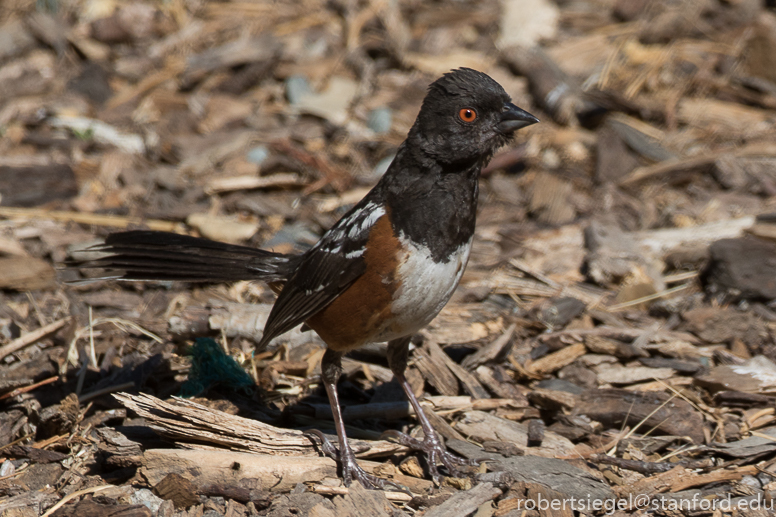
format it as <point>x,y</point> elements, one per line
<point>374,213</point>
<point>351,227</point>
<point>354,225</point>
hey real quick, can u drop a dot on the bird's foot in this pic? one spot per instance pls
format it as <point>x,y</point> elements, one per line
<point>435,453</point>
<point>350,469</point>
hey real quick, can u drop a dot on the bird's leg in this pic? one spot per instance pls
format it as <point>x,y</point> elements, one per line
<point>431,445</point>
<point>331,369</point>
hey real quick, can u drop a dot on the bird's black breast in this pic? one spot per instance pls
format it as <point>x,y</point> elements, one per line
<point>434,209</point>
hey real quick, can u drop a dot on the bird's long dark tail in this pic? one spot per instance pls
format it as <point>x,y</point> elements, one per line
<point>151,255</point>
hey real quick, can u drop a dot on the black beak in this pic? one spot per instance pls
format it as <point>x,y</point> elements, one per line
<point>514,118</point>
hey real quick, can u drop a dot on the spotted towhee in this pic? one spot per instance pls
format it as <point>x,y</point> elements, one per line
<point>384,270</point>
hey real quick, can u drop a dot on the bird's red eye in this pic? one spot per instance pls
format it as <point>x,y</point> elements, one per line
<point>467,115</point>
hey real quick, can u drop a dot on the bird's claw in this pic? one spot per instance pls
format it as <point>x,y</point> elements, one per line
<point>350,468</point>
<point>435,453</point>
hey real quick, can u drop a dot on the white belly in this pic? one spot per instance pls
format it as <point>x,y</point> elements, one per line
<point>425,288</point>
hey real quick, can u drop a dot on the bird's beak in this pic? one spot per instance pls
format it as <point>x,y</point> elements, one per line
<point>514,118</point>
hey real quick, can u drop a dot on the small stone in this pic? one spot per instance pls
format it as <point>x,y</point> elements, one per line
<point>296,88</point>
<point>258,154</point>
<point>146,498</point>
<point>7,468</point>
<point>380,120</point>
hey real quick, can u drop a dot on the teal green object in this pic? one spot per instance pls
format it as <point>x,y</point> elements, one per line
<point>210,366</point>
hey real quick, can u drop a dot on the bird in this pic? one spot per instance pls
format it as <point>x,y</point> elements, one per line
<point>379,274</point>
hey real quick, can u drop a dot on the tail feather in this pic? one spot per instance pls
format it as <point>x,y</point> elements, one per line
<point>151,255</point>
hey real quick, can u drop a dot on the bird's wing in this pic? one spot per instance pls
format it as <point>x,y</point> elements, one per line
<point>324,272</point>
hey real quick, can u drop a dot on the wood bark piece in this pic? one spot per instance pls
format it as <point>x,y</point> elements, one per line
<point>749,447</point>
<point>620,334</point>
<point>673,168</point>
<point>614,158</point>
<point>557,360</point>
<point>723,116</point>
<point>115,445</point>
<point>680,478</point>
<point>743,268</point>
<point>663,240</point>
<point>618,374</point>
<point>32,337</point>
<point>757,375</point>
<point>606,346</point>
<point>268,471</point>
<point>643,138</point>
<point>283,179</point>
<point>535,432</point>
<point>177,489</point>
<point>442,427</point>
<point>557,475</point>
<point>470,383</point>
<point>398,497</point>
<point>186,421</point>
<point>613,255</point>
<point>652,411</point>
<point>655,484</point>
<point>30,503</point>
<point>277,473</point>
<point>553,400</point>
<point>327,172</point>
<point>713,477</point>
<point>74,495</point>
<point>307,504</point>
<point>115,221</point>
<point>721,325</point>
<point>499,383</point>
<point>539,497</point>
<point>643,467</point>
<point>230,54</point>
<point>504,282</point>
<point>37,185</point>
<point>90,508</point>
<point>436,373</point>
<point>26,274</point>
<point>360,502</point>
<point>564,248</point>
<point>34,454</point>
<point>497,348</point>
<point>764,227</point>
<point>556,313</point>
<point>465,503</point>
<point>484,427</point>
<point>551,200</point>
